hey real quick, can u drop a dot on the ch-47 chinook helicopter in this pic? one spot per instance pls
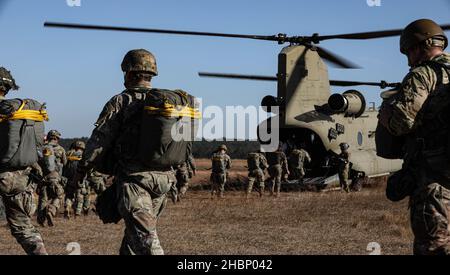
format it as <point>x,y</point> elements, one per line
<point>308,114</point>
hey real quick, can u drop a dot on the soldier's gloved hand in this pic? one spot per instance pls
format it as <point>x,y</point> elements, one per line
<point>37,170</point>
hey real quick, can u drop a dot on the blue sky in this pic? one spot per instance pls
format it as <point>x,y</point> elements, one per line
<point>76,72</point>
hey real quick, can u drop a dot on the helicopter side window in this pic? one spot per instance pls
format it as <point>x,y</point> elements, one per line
<point>360,138</point>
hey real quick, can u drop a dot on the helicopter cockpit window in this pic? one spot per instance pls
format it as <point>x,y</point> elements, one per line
<point>360,138</point>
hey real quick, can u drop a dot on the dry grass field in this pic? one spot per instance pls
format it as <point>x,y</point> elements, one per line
<point>297,223</point>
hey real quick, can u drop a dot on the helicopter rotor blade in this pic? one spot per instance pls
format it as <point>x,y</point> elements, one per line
<point>369,35</point>
<point>336,59</point>
<point>280,38</point>
<point>145,30</point>
<point>340,83</point>
<point>238,76</point>
<point>382,84</point>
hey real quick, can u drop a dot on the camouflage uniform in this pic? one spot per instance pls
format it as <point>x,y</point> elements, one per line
<point>2,210</point>
<point>18,194</point>
<point>142,191</point>
<point>19,208</point>
<point>221,162</point>
<point>51,189</point>
<point>297,160</point>
<point>78,193</point>
<point>257,164</point>
<point>278,166</point>
<point>420,113</point>
<point>97,182</point>
<point>344,170</point>
<point>184,173</point>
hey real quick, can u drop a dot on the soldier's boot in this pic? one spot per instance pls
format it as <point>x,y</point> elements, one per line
<point>261,191</point>
<point>247,195</point>
<point>67,214</point>
<point>41,218</point>
<point>52,210</point>
<point>278,191</point>
<point>86,212</point>
<point>50,220</point>
<point>221,195</point>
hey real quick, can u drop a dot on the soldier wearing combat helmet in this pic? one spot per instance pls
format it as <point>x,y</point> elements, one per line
<point>121,146</point>
<point>220,162</point>
<point>16,191</point>
<point>420,114</point>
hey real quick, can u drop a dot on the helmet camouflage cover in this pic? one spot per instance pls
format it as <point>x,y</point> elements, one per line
<point>7,82</point>
<point>79,145</point>
<point>223,147</point>
<point>140,60</point>
<point>420,31</point>
<point>52,134</point>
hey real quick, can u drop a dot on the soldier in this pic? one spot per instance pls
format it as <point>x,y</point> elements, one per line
<point>119,146</point>
<point>257,164</point>
<point>420,114</point>
<point>297,160</point>
<point>184,173</point>
<point>19,205</point>
<point>278,168</point>
<point>75,193</point>
<point>344,167</point>
<point>221,163</point>
<point>97,182</point>
<point>51,189</point>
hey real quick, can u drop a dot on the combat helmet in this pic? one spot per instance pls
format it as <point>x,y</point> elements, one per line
<point>79,145</point>
<point>222,147</point>
<point>344,146</point>
<point>422,30</point>
<point>7,81</point>
<point>53,134</point>
<point>140,60</point>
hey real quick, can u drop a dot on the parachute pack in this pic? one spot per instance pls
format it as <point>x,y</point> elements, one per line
<point>253,161</point>
<point>219,165</point>
<point>168,128</point>
<point>21,132</point>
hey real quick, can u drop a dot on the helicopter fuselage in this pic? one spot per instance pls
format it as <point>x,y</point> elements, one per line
<point>306,119</point>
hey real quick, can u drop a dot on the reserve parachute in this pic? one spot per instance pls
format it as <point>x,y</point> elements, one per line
<point>21,132</point>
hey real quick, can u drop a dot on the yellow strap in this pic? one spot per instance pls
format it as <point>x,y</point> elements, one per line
<point>169,110</point>
<point>39,116</point>
<point>73,158</point>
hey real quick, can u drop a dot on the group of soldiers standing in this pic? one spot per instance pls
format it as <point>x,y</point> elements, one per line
<point>56,185</point>
<point>279,168</point>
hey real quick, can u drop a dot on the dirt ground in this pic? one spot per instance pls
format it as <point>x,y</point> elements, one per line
<point>297,223</point>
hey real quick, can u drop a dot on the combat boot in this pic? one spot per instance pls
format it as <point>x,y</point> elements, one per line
<point>86,212</point>
<point>247,195</point>
<point>67,214</point>
<point>50,219</point>
<point>41,219</point>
